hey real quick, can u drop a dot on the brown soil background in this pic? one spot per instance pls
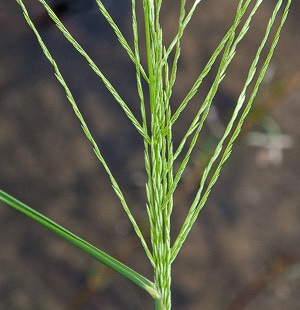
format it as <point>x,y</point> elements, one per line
<point>244,250</point>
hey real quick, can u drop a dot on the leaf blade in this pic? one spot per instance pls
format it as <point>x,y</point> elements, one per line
<point>88,248</point>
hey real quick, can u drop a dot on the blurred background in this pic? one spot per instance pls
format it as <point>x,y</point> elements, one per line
<point>244,250</point>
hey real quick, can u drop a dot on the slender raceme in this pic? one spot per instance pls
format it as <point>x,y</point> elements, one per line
<point>156,78</point>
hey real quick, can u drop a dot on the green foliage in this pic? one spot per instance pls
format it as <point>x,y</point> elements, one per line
<point>80,243</point>
<point>157,125</point>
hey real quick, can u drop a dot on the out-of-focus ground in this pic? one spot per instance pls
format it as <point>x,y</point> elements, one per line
<point>244,250</point>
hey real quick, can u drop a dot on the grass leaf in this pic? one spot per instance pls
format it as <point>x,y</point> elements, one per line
<point>81,244</point>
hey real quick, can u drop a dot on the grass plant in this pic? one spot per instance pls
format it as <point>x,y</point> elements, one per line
<point>156,122</point>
